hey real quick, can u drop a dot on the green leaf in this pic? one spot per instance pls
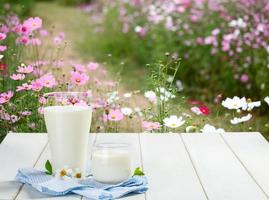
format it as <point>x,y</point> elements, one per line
<point>48,167</point>
<point>138,172</point>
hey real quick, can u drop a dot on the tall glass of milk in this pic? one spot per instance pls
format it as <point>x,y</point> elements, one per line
<point>68,120</point>
<point>111,162</point>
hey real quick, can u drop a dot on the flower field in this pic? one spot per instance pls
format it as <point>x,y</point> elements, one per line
<point>149,66</point>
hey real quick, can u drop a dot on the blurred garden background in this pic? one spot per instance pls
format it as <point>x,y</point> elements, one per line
<point>151,66</point>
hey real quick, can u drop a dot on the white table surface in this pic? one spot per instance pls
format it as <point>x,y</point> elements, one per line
<point>230,166</point>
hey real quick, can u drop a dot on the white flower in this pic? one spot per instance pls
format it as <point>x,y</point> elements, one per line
<point>1,56</point>
<point>196,110</point>
<point>173,121</point>
<point>77,174</point>
<point>64,173</point>
<point>165,95</point>
<point>127,95</point>
<point>235,103</point>
<point>211,129</point>
<point>138,29</point>
<point>266,99</point>
<point>151,96</point>
<point>252,105</point>
<point>237,120</point>
<point>238,23</point>
<point>112,97</point>
<point>127,111</point>
<point>179,85</point>
<point>233,23</point>
<point>170,79</point>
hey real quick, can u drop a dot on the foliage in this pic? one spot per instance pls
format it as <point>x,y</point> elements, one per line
<point>224,46</point>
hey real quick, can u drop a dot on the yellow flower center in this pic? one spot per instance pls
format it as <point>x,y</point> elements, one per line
<point>78,80</point>
<point>78,175</point>
<point>113,116</point>
<point>63,172</point>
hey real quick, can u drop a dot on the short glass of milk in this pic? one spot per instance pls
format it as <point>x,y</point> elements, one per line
<point>111,162</point>
<point>68,120</point>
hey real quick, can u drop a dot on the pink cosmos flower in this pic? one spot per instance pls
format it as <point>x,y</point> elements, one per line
<point>244,78</point>
<point>23,40</point>
<point>79,78</point>
<point>79,68</point>
<point>23,87</point>
<point>36,85</point>
<point>26,113</point>
<point>150,126</point>
<point>17,77</point>
<point>14,118</point>
<point>196,110</point>
<point>204,109</point>
<point>21,29</point>
<point>43,32</point>
<point>93,66</point>
<point>57,40</point>
<point>42,100</point>
<point>3,48</point>
<point>33,23</point>
<point>5,97</point>
<point>114,115</point>
<point>2,36</point>
<point>40,110</point>
<point>141,31</point>
<point>47,80</point>
<point>4,29</point>
<point>25,70</point>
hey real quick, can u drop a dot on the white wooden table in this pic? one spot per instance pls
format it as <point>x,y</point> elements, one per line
<point>230,166</point>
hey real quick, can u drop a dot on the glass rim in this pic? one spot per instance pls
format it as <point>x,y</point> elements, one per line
<point>48,94</point>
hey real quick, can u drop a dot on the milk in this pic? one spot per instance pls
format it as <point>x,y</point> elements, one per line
<point>68,129</point>
<point>110,165</point>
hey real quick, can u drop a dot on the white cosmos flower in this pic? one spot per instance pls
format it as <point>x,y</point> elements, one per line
<point>165,95</point>
<point>1,56</point>
<point>127,111</point>
<point>64,173</point>
<point>173,121</point>
<point>151,96</point>
<point>211,129</point>
<point>237,120</point>
<point>179,85</point>
<point>252,105</point>
<point>170,79</point>
<point>235,103</point>
<point>266,99</point>
<point>77,174</point>
<point>137,29</point>
<point>112,97</point>
<point>127,95</point>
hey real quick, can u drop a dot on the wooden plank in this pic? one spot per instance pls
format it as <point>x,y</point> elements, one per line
<point>133,140</point>
<point>222,175</point>
<point>253,151</point>
<point>28,192</point>
<point>18,151</point>
<point>169,169</point>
